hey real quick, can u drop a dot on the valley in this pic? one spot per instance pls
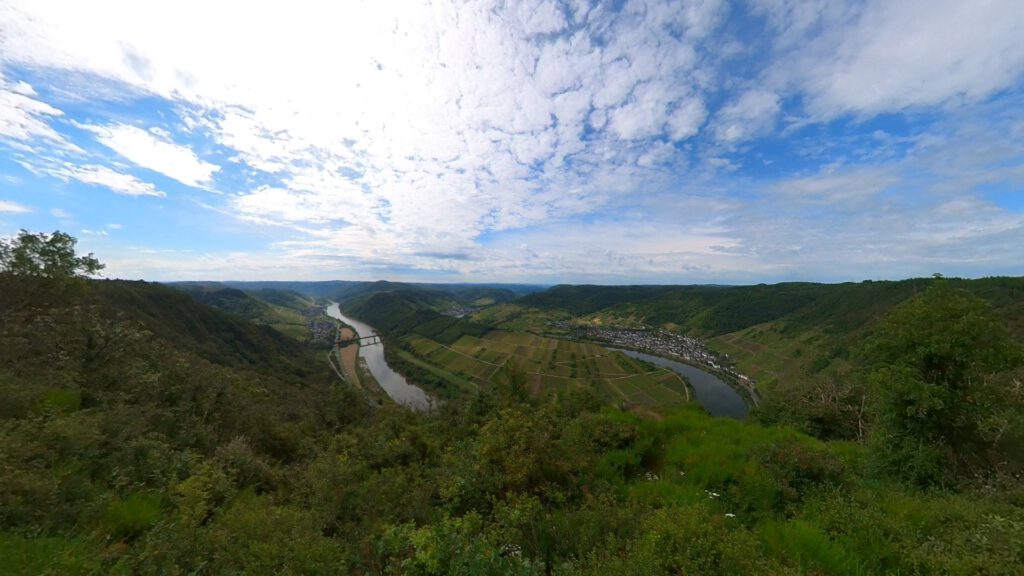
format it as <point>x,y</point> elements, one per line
<point>150,430</point>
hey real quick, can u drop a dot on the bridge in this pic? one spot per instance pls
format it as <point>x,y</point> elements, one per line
<point>358,341</point>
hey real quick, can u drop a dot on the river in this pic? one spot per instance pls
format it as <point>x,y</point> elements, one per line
<point>392,382</point>
<point>712,393</point>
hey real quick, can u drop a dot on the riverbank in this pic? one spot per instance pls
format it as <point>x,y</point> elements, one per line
<point>348,354</point>
<point>713,393</point>
<point>372,357</point>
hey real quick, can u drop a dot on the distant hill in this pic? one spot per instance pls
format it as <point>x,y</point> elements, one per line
<point>208,330</point>
<point>716,310</point>
<point>403,312</point>
<point>340,290</point>
<point>789,337</point>
<point>113,343</point>
<point>145,432</point>
<point>114,394</point>
<point>225,298</point>
<point>326,289</point>
<point>284,310</point>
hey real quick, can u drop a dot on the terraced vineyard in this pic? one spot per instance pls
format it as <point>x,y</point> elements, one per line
<point>554,364</point>
<point>773,358</point>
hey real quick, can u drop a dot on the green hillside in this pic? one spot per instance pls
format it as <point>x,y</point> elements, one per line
<point>138,455</point>
<point>801,342</point>
<point>227,299</point>
<point>143,432</point>
<point>284,310</point>
<point>116,393</point>
<point>716,310</point>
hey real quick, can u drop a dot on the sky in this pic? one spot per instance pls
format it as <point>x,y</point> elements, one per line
<point>538,141</point>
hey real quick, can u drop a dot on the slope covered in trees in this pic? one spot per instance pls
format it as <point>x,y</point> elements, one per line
<point>715,310</point>
<point>287,311</point>
<point>158,461</point>
<point>135,439</point>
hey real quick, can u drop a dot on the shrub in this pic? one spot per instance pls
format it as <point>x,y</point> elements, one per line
<point>127,518</point>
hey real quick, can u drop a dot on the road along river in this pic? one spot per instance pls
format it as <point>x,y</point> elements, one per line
<point>712,393</point>
<point>392,382</point>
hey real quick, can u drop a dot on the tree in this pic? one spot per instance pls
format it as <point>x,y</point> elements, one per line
<point>45,256</point>
<point>938,361</point>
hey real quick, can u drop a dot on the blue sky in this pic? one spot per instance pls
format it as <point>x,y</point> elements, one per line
<point>535,141</point>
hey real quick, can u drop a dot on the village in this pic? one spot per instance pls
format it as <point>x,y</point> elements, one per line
<point>322,329</point>
<point>659,342</point>
<point>459,310</point>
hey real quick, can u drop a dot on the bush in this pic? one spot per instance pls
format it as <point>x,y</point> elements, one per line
<point>127,518</point>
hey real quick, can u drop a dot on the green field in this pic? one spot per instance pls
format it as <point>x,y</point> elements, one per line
<point>550,364</point>
<point>519,318</point>
<point>290,321</point>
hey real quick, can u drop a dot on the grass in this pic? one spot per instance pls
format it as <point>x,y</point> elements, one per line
<point>772,357</point>
<point>295,331</point>
<point>48,555</point>
<point>287,321</point>
<point>518,318</point>
<point>461,382</point>
<point>129,517</point>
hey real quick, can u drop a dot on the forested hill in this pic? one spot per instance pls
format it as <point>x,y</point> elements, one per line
<point>714,310</point>
<point>287,311</point>
<point>403,312</point>
<point>143,432</point>
<point>123,450</point>
<point>225,298</point>
<point>114,394</point>
<point>184,323</point>
<point>342,290</point>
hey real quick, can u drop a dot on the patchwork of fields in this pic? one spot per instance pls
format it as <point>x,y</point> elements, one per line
<point>556,364</point>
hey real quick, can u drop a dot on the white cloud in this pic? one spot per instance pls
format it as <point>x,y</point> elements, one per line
<point>898,55</point>
<point>60,213</point>
<point>850,185</point>
<point>657,155</point>
<point>6,206</point>
<point>94,175</point>
<point>431,105</point>
<point>687,119</point>
<point>276,204</point>
<point>752,114</point>
<point>23,88</point>
<point>23,117</point>
<point>115,226</point>
<point>153,151</point>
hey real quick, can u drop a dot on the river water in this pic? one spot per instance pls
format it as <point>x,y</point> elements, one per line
<point>392,382</point>
<point>711,392</point>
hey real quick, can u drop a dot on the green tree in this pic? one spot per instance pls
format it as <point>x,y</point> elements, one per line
<point>937,360</point>
<point>45,256</point>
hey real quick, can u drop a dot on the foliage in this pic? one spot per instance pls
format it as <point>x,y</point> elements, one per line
<point>45,256</point>
<point>828,408</point>
<point>799,306</point>
<point>142,432</point>
<point>131,516</point>
<point>283,310</point>
<point>936,358</point>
